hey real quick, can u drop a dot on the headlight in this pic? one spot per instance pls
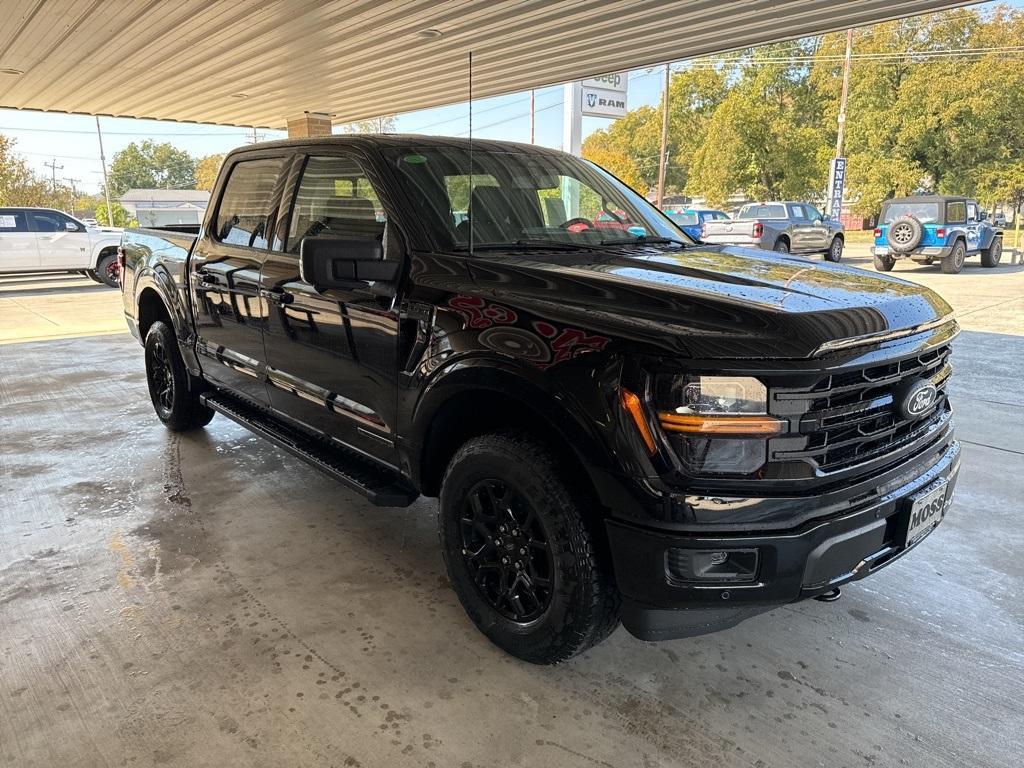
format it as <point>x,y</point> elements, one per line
<point>717,424</point>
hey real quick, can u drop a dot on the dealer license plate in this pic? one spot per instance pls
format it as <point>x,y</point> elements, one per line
<point>926,510</point>
<point>881,250</point>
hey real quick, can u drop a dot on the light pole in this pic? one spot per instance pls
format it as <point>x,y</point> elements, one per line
<point>52,165</point>
<point>74,195</point>
<point>663,161</point>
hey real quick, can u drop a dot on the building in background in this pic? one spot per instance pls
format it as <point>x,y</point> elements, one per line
<point>160,207</point>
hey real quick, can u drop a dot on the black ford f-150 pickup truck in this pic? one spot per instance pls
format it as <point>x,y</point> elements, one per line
<point>620,423</point>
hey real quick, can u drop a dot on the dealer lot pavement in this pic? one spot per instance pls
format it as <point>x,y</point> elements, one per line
<point>208,600</point>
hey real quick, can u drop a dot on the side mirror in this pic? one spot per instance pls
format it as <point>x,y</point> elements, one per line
<point>344,262</point>
<point>70,226</point>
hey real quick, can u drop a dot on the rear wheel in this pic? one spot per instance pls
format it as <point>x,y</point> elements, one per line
<point>835,250</point>
<point>781,246</point>
<point>175,402</point>
<point>108,271</point>
<point>990,256</point>
<point>953,263</point>
<point>522,559</point>
<point>884,263</point>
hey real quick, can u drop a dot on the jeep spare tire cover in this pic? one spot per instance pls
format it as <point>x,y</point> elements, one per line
<point>905,234</point>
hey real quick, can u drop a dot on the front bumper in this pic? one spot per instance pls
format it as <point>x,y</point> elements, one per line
<point>807,561</point>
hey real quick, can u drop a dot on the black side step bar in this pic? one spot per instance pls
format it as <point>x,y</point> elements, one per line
<point>381,486</point>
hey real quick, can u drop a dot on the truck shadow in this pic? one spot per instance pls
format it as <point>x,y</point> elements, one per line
<point>12,286</point>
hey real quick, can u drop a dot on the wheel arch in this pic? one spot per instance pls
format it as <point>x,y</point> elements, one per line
<point>102,251</point>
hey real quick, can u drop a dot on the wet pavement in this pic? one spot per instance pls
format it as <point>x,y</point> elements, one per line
<point>207,600</point>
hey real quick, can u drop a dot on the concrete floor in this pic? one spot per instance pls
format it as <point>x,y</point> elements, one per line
<point>210,601</point>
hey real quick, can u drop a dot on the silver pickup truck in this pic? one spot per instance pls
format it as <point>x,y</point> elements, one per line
<point>787,227</point>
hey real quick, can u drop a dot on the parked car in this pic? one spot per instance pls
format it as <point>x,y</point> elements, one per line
<point>786,227</point>
<point>931,228</point>
<point>691,220</point>
<point>45,240</point>
<point>618,423</point>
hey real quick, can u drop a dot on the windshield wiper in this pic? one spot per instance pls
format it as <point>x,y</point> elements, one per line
<point>533,244</point>
<point>645,241</point>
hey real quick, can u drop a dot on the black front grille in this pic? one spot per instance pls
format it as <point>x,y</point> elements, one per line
<point>852,417</point>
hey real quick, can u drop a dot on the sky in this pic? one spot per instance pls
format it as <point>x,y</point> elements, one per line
<point>70,142</point>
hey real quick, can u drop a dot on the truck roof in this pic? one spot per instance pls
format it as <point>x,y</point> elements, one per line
<point>379,141</point>
<point>927,198</point>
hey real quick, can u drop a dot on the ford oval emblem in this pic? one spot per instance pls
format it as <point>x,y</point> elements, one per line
<point>918,397</point>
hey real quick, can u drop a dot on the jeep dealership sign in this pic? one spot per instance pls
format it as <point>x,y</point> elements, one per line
<point>604,96</point>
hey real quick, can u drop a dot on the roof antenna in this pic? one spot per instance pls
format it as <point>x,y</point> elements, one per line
<point>469,201</point>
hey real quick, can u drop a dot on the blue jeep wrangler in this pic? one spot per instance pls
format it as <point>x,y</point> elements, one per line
<point>931,228</point>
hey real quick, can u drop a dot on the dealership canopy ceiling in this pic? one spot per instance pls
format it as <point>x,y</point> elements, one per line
<point>258,62</point>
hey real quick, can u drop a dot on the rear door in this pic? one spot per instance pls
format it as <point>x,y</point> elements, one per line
<point>18,249</point>
<point>817,233</point>
<point>332,353</point>
<point>63,242</point>
<point>230,314</point>
<point>799,228</point>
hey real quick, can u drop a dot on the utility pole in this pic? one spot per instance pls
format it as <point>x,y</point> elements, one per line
<point>841,135</point>
<point>663,161</point>
<point>533,113</point>
<point>106,185</point>
<point>52,165</point>
<point>74,194</point>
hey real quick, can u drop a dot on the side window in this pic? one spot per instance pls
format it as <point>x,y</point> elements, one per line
<point>796,212</point>
<point>972,212</point>
<point>13,221</point>
<point>956,212</point>
<point>242,217</point>
<point>812,213</point>
<point>335,199</point>
<point>47,221</point>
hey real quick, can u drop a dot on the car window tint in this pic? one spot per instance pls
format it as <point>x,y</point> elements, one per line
<point>762,212</point>
<point>683,217</point>
<point>245,204</point>
<point>335,200</point>
<point>47,222</point>
<point>926,213</point>
<point>13,221</point>
<point>812,212</point>
<point>956,212</point>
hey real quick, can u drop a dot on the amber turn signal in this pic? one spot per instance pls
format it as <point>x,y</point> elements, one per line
<point>745,426</point>
<point>631,403</point>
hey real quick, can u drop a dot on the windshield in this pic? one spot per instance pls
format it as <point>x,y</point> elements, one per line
<point>526,199</point>
<point>762,212</point>
<point>926,213</point>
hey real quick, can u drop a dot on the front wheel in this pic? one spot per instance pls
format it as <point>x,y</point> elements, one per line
<point>91,274</point>
<point>176,404</point>
<point>884,263</point>
<point>527,568</point>
<point>108,271</point>
<point>835,250</point>
<point>953,263</point>
<point>990,256</point>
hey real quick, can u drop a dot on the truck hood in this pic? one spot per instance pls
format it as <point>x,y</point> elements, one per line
<point>710,301</point>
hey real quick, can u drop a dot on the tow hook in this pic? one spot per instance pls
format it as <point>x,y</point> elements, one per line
<point>831,596</point>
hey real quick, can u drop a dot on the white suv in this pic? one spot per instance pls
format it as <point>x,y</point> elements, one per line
<point>45,240</point>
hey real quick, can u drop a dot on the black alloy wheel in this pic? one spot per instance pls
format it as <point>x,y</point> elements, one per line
<point>161,378</point>
<point>507,551</point>
<point>175,394</point>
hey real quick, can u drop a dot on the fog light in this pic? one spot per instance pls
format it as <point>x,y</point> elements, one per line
<point>731,566</point>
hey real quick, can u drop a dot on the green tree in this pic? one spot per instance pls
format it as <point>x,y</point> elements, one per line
<point>121,217</point>
<point>19,184</point>
<point>207,169</point>
<point>149,165</point>
<point>383,124</point>
<point>1003,184</point>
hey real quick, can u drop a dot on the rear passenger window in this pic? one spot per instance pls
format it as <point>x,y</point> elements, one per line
<point>956,213</point>
<point>13,221</point>
<point>242,217</point>
<point>335,200</point>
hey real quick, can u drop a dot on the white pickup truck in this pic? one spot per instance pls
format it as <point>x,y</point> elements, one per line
<point>45,240</point>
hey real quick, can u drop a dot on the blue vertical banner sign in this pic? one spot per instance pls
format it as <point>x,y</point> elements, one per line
<point>837,180</point>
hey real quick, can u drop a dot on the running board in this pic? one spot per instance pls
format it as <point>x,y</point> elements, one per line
<point>383,487</point>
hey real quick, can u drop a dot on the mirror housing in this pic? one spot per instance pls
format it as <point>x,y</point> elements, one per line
<point>70,226</point>
<point>344,262</point>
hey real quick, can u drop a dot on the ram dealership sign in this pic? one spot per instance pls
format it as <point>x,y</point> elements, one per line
<point>605,96</point>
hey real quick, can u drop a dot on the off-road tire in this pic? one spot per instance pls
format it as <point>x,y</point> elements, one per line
<point>884,263</point>
<point>954,262</point>
<point>582,607</point>
<point>909,232</point>
<point>990,256</point>
<point>781,246</point>
<point>176,402</point>
<point>106,271</point>
<point>835,250</point>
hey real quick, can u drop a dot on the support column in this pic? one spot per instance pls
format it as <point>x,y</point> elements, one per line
<point>309,124</point>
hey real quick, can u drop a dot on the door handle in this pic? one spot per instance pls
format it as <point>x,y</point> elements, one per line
<point>278,296</point>
<point>208,279</point>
